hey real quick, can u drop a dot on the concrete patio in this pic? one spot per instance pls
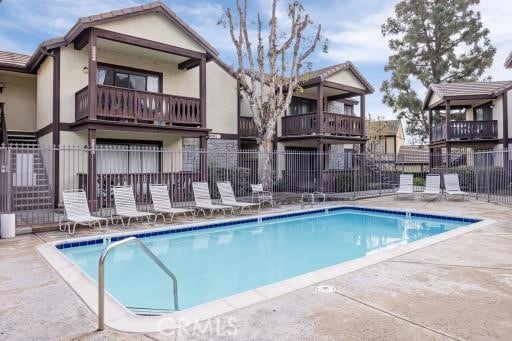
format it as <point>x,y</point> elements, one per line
<point>457,289</point>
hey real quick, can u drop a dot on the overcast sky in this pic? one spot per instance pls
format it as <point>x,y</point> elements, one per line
<point>352,27</point>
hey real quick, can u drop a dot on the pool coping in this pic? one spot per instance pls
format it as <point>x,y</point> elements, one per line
<point>120,318</point>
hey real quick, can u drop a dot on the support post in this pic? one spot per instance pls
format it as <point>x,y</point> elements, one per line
<point>430,149</point>
<point>505,131</point>
<point>91,170</point>
<point>320,107</point>
<point>362,114</point>
<point>448,135</point>
<point>321,164</point>
<point>93,69</point>
<point>56,125</point>
<point>203,158</point>
<point>202,90</point>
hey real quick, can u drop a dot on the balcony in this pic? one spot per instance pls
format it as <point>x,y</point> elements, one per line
<point>332,124</point>
<point>466,131</point>
<point>247,127</point>
<point>131,106</point>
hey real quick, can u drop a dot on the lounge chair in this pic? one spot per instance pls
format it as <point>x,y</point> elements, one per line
<point>452,187</point>
<point>125,206</point>
<point>203,200</point>
<point>261,195</point>
<point>432,186</point>
<point>406,186</point>
<point>77,211</point>
<point>227,197</point>
<point>162,203</point>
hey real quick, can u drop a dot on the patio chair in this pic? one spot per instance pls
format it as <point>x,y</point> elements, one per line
<point>452,187</point>
<point>227,197</point>
<point>406,186</point>
<point>125,206</point>
<point>432,187</point>
<point>162,203</point>
<point>203,200</point>
<point>261,195</point>
<point>77,211</point>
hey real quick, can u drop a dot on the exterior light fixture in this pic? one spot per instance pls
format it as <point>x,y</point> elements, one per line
<point>85,69</point>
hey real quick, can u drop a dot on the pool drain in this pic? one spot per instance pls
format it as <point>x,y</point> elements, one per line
<point>327,289</point>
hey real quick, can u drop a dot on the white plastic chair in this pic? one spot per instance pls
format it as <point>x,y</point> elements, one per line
<point>76,210</point>
<point>227,197</point>
<point>261,195</point>
<point>432,186</point>
<point>162,203</point>
<point>406,186</point>
<point>203,200</point>
<point>452,187</point>
<point>125,207</point>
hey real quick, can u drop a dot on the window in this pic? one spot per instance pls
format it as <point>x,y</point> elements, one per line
<point>121,158</point>
<point>300,106</point>
<point>349,109</point>
<point>484,158</point>
<point>141,81</point>
<point>483,113</point>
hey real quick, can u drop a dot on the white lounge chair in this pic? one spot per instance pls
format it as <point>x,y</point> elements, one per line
<point>203,200</point>
<point>432,187</point>
<point>452,187</point>
<point>162,203</point>
<point>77,211</point>
<point>125,206</point>
<point>261,195</point>
<point>406,186</point>
<point>227,197</point>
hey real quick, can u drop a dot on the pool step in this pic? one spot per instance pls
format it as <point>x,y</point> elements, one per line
<point>150,311</point>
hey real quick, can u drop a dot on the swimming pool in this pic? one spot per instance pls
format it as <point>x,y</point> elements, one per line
<point>214,261</point>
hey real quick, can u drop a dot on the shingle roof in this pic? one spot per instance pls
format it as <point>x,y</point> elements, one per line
<point>13,59</point>
<point>325,72</point>
<point>384,127</point>
<point>444,90</point>
<point>156,6</point>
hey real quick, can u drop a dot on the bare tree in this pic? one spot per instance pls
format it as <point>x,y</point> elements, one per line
<point>269,74</point>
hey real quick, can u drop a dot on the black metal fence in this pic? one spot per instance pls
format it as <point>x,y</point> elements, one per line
<point>32,178</point>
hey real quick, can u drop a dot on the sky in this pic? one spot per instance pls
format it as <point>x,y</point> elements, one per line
<point>351,26</point>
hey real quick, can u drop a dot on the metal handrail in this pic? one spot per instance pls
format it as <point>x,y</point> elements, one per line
<point>101,275</point>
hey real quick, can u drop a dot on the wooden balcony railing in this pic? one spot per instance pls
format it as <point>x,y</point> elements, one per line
<point>466,130</point>
<point>127,105</point>
<point>247,127</point>
<point>334,124</point>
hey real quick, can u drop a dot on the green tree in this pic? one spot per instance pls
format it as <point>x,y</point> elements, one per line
<point>433,41</point>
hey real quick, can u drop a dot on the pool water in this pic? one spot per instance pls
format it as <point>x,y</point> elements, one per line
<point>214,263</point>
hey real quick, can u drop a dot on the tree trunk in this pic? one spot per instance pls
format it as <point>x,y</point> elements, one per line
<point>265,163</point>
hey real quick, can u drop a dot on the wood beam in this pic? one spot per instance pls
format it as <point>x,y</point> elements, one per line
<point>320,107</point>
<point>343,87</point>
<point>505,119</point>
<point>148,44</point>
<point>91,170</point>
<point>93,68</point>
<point>189,64</point>
<point>447,113</point>
<point>202,90</point>
<point>82,40</point>
<point>430,122</point>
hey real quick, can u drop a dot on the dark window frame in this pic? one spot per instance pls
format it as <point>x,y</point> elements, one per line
<point>134,71</point>
<point>485,106</point>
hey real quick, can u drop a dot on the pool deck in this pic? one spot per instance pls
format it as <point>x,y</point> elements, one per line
<point>459,288</point>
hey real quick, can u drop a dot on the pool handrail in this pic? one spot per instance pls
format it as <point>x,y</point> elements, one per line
<point>101,275</point>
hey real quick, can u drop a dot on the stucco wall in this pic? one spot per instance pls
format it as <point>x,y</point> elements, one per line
<point>45,93</point>
<point>221,101</point>
<point>19,97</point>
<point>72,79</point>
<point>346,77</point>
<point>154,27</point>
